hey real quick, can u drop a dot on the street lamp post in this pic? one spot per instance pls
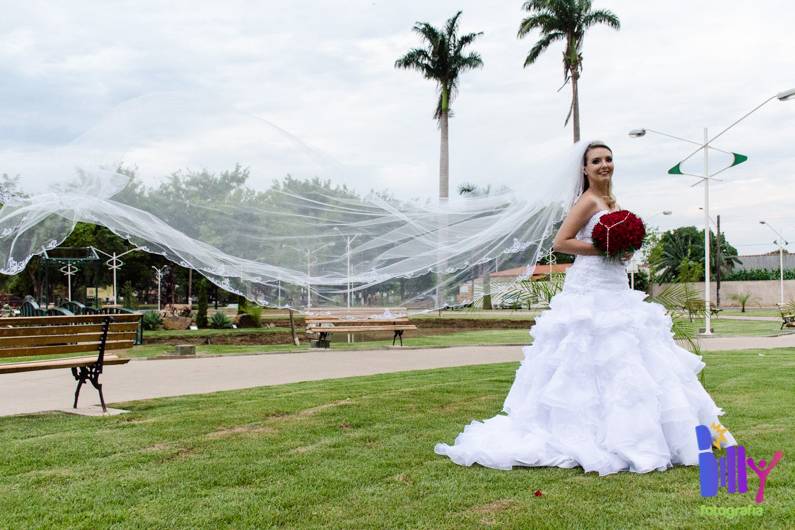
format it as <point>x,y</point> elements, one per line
<point>159,273</point>
<point>780,259</point>
<point>706,177</point>
<point>69,270</point>
<point>114,264</point>
<point>308,252</point>
<point>348,241</point>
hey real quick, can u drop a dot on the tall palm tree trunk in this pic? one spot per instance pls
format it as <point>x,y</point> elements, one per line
<point>444,157</point>
<point>575,103</point>
<point>444,184</point>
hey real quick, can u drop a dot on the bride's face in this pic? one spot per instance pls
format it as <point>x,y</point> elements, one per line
<point>599,166</point>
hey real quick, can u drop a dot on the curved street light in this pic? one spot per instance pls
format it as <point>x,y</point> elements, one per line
<point>780,259</point>
<point>705,178</point>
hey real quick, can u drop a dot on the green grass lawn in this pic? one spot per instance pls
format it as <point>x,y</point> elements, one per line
<point>358,453</point>
<point>722,328</point>
<point>735,328</point>
<point>210,332</point>
<point>469,338</point>
<point>752,312</point>
<point>480,315</point>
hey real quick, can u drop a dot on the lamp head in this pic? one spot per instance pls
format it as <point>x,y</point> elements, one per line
<point>667,212</point>
<point>762,222</point>
<point>786,95</point>
<point>637,133</point>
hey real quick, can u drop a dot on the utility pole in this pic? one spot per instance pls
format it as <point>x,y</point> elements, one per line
<point>717,266</point>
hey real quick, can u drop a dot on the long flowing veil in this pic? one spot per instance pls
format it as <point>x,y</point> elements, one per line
<point>261,214</point>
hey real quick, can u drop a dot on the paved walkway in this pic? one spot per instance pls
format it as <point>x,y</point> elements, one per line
<point>53,389</point>
<point>139,379</point>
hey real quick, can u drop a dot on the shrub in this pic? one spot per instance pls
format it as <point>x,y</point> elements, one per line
<point>758,274</point>
<point>152,320</point>
<point>251,317</point>
<point>220,321</point>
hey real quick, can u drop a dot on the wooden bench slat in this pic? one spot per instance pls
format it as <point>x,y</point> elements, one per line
<point>11,342</point>
<point>69,348</point>
<point>312,322</point>
<point>24,331</point>
<point>354,329</point>
<point>9,368</point>
<point>75,319</point>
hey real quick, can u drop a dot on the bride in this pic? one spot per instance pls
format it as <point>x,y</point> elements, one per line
<point>603,386</point>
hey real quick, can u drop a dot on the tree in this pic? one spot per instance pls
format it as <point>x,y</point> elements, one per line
<point>564,20</point>
<point>201,314</point>
<point>128,295</point>
<point>442,60</point>
<point>743,299</point>
<point>687,243</point>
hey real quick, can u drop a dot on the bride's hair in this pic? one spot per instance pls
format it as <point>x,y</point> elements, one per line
<point>610,199</point>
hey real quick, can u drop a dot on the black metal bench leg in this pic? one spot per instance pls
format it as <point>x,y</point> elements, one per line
<point>398,335</point>
<point>95,382</point>
<point>88,374</point>
<point>81,379</point>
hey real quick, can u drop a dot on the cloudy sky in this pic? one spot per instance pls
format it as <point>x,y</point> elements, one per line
<point>323,70</point>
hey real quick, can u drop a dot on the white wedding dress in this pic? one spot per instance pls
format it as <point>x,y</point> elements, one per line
<point>603,386</point>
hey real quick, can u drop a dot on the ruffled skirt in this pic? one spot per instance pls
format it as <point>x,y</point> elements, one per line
<point>604,386</point>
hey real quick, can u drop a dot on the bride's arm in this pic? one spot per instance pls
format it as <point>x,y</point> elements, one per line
<point>565,241</point>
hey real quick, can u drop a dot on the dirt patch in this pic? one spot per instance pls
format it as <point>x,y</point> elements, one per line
<point>312,447</point>
<point>241,429</point>
<point>500,505</point>
<point>320,408</point>
<point>157,448</point>
<point>490,510</point>
<point>177,453</point>
<point>404,478</point>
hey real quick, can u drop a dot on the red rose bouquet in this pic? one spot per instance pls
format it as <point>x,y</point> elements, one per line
<point>618,233</point>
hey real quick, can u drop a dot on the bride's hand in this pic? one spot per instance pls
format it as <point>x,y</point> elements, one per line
<point>627,256</point>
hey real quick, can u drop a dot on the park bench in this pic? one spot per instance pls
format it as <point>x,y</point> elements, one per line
<point>787,317</point>
<point>323,326</point>
<point>61,338</point>
<point>696,307</point>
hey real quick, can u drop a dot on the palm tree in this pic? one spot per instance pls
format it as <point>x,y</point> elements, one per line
<point>564,20</point>
<point>442,60</point>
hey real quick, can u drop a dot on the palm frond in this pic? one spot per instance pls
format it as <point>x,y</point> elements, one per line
<point>571,111</point>
<point>451,28</point>
<point>601,16</point>
<point>679,299</point>
<point>442,59</point>
<point>415,59</point>
<point>546,22</point>
<point>465,41</point>
<point>541,45</point>
<point>427,31</point>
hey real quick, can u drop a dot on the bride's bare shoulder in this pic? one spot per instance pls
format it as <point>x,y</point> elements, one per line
<point>585,206</point>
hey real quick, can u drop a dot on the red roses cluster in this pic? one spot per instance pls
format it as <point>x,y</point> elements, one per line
<point>618,233</point>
